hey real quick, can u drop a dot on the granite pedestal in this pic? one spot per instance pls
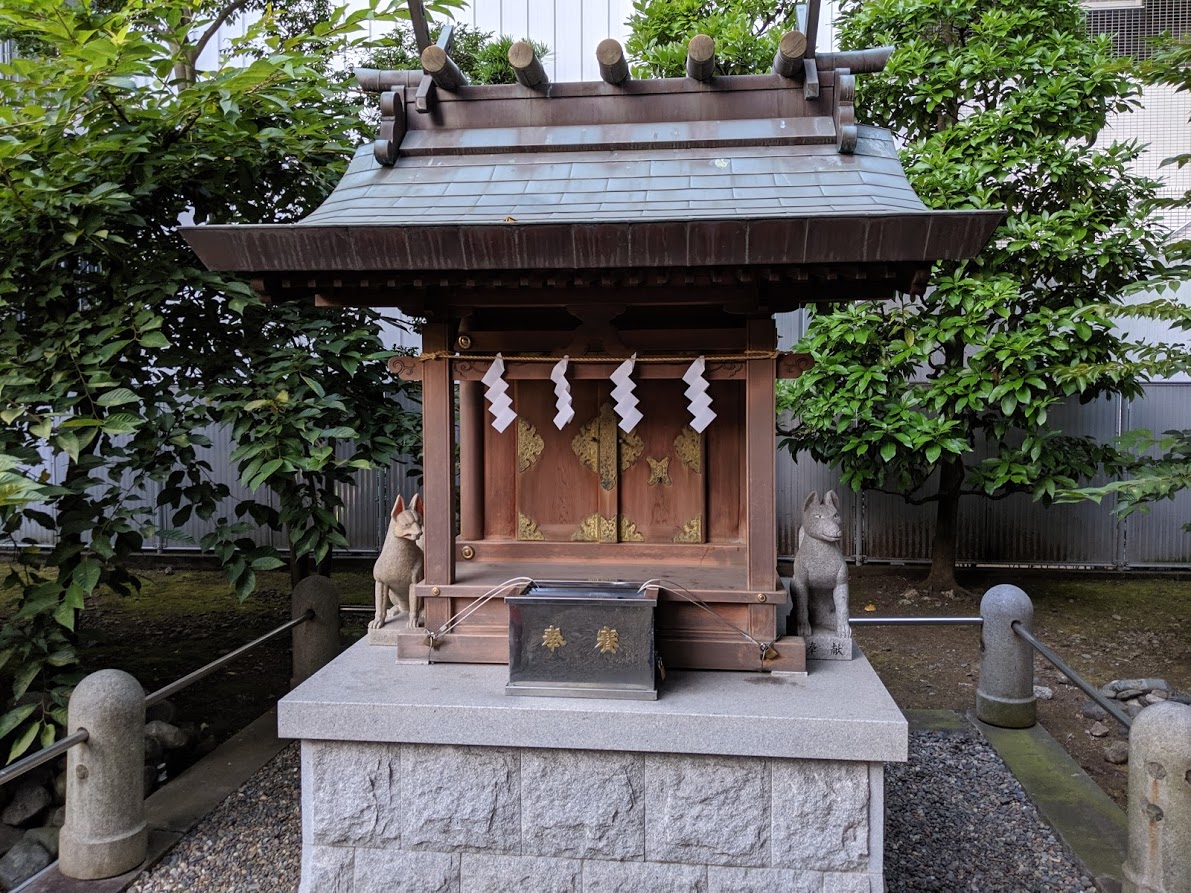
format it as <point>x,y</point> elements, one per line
<point>428,778</point>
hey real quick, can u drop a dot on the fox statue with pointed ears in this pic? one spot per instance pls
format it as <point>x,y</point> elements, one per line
<point>400,564</point>
<point>820,577</point>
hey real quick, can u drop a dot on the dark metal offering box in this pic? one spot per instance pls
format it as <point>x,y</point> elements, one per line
<point>582,640</point>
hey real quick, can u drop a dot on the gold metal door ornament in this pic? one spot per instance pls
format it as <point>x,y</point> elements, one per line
<point>688,446</point>
<point>604,448</point>
<point>629,532</point>
<point>659,471</point>
<point>529,445</point>
<point>595,529</point>
<point>527,528</point>
<point>692,531</point>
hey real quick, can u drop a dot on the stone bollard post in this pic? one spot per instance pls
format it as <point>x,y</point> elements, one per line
<point>316,642</point>
<point>105,832</point>
<point>1005,693</point>
<point>1159,810</point>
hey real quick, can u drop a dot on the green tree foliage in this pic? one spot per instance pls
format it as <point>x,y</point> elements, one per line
<point>998,104</point>
<point>746,34</point>
<point>1158,467</point>
<point>117,347</point>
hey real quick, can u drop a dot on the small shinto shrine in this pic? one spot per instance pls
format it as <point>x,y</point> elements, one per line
<point>648,226</point>
<point>598,266</point>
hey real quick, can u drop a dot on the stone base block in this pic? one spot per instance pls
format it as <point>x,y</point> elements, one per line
<point>428,778</point>
<point>824,646</point>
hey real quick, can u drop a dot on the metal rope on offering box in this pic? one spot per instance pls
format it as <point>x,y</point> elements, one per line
<point>598,265</point>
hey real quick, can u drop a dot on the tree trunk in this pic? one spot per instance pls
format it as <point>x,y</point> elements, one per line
<point>942,557</point>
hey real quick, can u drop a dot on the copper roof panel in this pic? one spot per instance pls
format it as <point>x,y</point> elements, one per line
<point>627,184</point>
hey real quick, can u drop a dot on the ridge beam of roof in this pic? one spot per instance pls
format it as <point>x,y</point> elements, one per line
<point>856,61</point>
<point>811,130</point>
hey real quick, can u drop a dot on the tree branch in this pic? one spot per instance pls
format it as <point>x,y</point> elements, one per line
<point>227,12</point>
<point>910,499</point>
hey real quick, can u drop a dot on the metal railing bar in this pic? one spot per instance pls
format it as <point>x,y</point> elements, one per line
<point>355,609</point>
<point>1113,709</point>
<point>21,766</point>
<point>174,687</point>
<point>915,621</point>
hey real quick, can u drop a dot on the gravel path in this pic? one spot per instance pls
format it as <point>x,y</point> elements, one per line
<point>956,821</point>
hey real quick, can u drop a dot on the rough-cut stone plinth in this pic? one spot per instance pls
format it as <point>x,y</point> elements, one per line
<point>507,874</point>
<point>402,871</point>
<point>750,880</point>
<point>353,794</point>
<point>821,815</point>
<point>607,822</point>
<point>461,799</point>
<point>327,869</point>
<point>445,785</point>
<point>707,810</point>
<point>636,877</point>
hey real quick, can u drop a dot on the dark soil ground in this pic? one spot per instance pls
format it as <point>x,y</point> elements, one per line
<point>1107,626</point>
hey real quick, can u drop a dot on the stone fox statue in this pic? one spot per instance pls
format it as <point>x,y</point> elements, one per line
<point>399,566</point>
<point>820,578</point>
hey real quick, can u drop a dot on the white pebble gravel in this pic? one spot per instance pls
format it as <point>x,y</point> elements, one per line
<point>956,820</point>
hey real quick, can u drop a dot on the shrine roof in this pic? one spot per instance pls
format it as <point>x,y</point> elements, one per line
<point>637,184</point>
<point>554,185</point>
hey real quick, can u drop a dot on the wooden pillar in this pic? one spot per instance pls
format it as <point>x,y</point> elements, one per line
<point>438,457</point>
<point>760,458</point>
<point>471,460</point>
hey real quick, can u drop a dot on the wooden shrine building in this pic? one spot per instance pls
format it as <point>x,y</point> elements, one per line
<point>664,220</point>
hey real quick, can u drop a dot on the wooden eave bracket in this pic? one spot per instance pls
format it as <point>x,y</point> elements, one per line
<point>392,126</point>
<point>844,112</point>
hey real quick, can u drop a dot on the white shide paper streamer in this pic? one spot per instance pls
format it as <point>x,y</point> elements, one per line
<point>562,394</point>
<point>499,402</point>
<point>699,404</point>
<point>626,401</point>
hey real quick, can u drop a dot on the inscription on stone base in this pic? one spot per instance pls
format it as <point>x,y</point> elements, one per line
<point>822,646</point>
